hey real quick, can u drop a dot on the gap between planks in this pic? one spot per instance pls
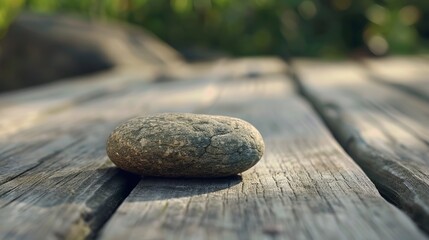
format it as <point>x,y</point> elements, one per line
<point>57,169</point>
<point>382,128</point>
<point>305,187</point>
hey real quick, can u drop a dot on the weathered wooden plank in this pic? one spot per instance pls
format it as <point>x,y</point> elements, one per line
<point>305,187</point>
<point>22,109</point>
<point>56,181</point>
<point>55,178</point>
<point>408,73</point>
<point>384,129</point>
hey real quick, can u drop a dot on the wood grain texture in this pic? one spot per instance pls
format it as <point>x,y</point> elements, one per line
<point>25,108</point>
<point>406,73</point>
<point>305,187</point>
<point>384,129</point>
<point>55,178</point>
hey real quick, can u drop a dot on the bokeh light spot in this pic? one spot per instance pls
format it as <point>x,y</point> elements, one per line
<point>409,15</point>
<point>377,14</point>
<point>307,9</point>
<point>378,45</point>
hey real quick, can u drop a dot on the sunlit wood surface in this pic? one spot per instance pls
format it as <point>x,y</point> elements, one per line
<point>379,111</point>
<point>56,181</point>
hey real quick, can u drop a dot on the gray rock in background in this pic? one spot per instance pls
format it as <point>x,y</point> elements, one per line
<point>43,48</point>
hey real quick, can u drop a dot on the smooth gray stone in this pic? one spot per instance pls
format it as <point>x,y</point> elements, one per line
<point>185,145</point>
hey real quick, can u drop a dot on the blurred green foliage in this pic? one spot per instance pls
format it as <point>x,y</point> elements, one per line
<point>323,28</point>
<point>8,9</point>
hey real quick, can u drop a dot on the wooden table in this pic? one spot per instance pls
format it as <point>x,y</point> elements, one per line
<point>347,153</point>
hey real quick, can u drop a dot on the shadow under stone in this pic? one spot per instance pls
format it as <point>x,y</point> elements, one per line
<point>157,188</point>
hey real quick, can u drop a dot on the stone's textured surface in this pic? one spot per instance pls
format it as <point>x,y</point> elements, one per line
<point>185,145</point>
